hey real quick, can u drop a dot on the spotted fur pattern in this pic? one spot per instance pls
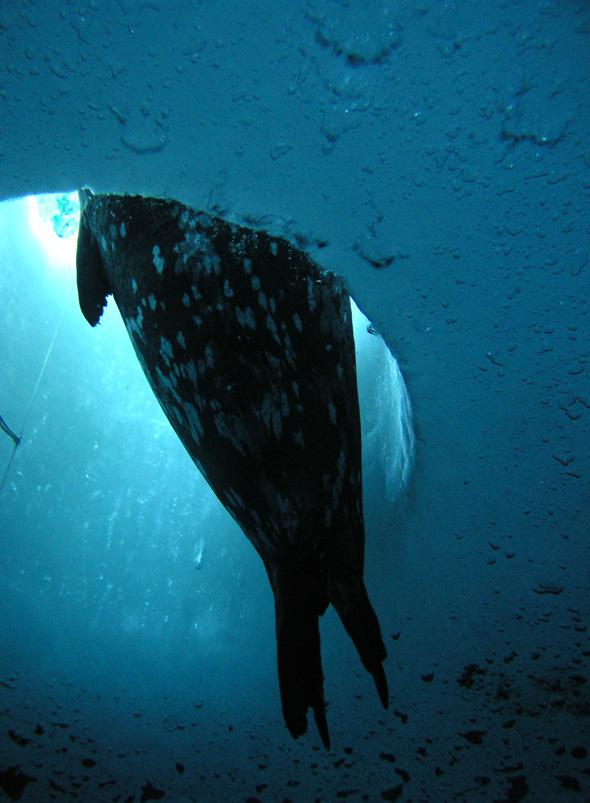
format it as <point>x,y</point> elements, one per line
<point>248,346</point>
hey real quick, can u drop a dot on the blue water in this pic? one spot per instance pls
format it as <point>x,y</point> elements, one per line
<point>442,151</point>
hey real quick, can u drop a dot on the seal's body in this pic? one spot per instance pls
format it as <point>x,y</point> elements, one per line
<point>249,349</point>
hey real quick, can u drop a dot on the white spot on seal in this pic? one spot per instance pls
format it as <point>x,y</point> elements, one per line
<point>225,431</point>
<point>186,300</point>
<point>123,230</point>
<point>194,422</point>
<point>166,350</point>
<point>134,285</point>
<point>245,317</point>
<point>191,372</point>
<point>311,302</point>
<point>235,498</point>
<point>297,322</point>
<point>340,464</point>
<point>332,413</point>
<point>177,414</point>
<point>271,326</point>
<point>181,341</point>
<point>227,291</point>
<point>255,283</point>
<point>167,382</point>
<point>289,353</point>
<point>157,259</point>
<point>284,405</point>
<point>134,329</point>
<point>152,301</point>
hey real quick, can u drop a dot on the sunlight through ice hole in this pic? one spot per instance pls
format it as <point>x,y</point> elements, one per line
<point>54,220</point>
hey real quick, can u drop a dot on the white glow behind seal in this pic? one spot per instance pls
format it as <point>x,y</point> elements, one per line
<point>386,412</point>
<point>60,251</point>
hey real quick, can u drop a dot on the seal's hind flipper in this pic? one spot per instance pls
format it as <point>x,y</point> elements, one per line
<point>93,285</point>
<point>358,617</point>
<point>301,678</point>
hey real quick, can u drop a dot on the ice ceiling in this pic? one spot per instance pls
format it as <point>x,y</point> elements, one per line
<point>436,155</point>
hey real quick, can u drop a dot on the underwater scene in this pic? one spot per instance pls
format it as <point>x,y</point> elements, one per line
<point>295,401</point>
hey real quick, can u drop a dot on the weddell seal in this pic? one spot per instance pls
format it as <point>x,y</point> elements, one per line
<point>248,346</point>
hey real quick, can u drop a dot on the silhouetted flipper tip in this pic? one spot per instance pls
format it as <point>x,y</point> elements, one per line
<point>296,725</point>
<point>319,713</point>
<point>381,684</point>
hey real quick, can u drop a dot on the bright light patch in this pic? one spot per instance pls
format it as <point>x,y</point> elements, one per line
<point>386,412</point>
<point>54,220</point>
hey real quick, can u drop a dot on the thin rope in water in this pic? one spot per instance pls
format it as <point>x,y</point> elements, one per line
<point>18,438</point>
<point>4,426</point>
<point>8,467</point>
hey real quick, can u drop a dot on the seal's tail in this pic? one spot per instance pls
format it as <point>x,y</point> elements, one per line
<point>299,605</point>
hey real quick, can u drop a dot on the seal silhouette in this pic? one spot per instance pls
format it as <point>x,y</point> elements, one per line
<point>248,345</point>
